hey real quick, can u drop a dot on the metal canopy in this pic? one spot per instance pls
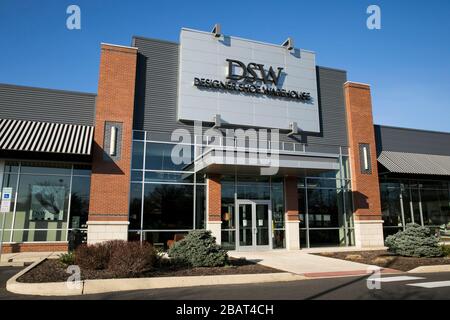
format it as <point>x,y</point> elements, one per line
<point>415,163</point>
<point>32,136</point>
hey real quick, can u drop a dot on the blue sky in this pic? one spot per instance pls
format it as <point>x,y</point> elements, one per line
<point>406,62</point>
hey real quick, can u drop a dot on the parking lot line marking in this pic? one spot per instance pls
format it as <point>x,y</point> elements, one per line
<point>395,279</point>
<point>430,285</point>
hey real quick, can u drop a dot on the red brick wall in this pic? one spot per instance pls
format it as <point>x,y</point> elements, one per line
<point>34,247</point>
<point>214,198</point>
<point>110,181</point>
<point>291,198</point>
<point>365,187</point>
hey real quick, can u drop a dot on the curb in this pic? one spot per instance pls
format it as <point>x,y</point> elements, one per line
<point>431,269</point>
<point>333,274</point>
<point>12,264</point>
<point>116,285</point>
<point>40,289</point>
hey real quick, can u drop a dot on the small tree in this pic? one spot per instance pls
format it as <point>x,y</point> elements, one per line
<point>414,241</point>
<point>199,249</point>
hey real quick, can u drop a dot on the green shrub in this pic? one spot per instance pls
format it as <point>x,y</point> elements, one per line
<point>132,258</point>
<point>199,249</point>
<point>446,250</point>
<point>121,258</point>
<point>414,241</point>
<point>67,258</point>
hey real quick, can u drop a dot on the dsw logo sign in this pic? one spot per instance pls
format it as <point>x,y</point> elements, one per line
<point>252,72</point>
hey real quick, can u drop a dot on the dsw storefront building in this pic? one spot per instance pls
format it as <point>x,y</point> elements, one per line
<point>133,162</point>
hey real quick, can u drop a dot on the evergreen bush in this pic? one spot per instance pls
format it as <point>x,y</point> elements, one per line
<point>199,249</point>
<point>414,241</point>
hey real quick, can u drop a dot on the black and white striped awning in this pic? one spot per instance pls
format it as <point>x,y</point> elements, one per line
<point>20,135</point>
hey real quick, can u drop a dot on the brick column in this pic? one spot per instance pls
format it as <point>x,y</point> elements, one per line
<point>363,166</point>
<point>292,220</point>
<point>214,206</point>
<point>110,180</point>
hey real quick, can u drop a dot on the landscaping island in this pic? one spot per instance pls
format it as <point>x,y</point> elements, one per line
<point>52,270</point>
<point>414,247</point>
<point>385,259</point>
<point>195,255</point>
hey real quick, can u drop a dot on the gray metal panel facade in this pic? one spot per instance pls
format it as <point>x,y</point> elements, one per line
<point>333,117</point>
<point>157,86</point>
<point>46,105</point>
<point>412,140</point>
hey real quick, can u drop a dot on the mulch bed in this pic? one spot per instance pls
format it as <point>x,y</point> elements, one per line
<point>53,270</point>
<point>384,259</point>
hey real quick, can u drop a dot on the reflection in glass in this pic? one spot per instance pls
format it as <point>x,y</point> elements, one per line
<point>79,202</point>
<point>262,225</point>
<point>171,157</point>
<point>245,225</point>
<point>168,206</point>
<point>135,206</point>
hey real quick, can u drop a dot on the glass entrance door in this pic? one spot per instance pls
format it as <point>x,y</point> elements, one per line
<point>254,224</point>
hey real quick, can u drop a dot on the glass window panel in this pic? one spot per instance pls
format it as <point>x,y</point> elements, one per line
<point>349,207</point>
<point>406,199</point>
<point>200,210</point>
<point>253,188</point>
<point>277,204</point>
<point>435,207</point>
<point>303,242</point>
<point>168,206</point>
<point>162,240</point>
<point>135,206</point>
<point>159,156</point>
<point>136,175</point>
<point>333,174</point>
<point>327,238</point>
<point>39,235</point>
<point>390,204</point>
<point>436,185</point>
<point>245,225</point>
<point>321,183</point>
<point>262,224</point>
<point>81,170</point>
<point>388,231</point>
<point>11,167</point>
<point>46,168</point>
<point>138,155</point>
<point>228,239</point>
<point>9,181</point>
<point>42,202</point>
<point>279,239</point>
<point>138,135</point>
<point>301,194</point>
<point>151,176</point>
<point>228,189</point>
<point>325,207</point>
<point>6,235</point>
<point>79,203</point>
<point>300,182</point>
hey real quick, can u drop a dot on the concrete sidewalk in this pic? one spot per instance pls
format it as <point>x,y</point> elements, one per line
<point>304,263</point>
<point>23,258</point>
